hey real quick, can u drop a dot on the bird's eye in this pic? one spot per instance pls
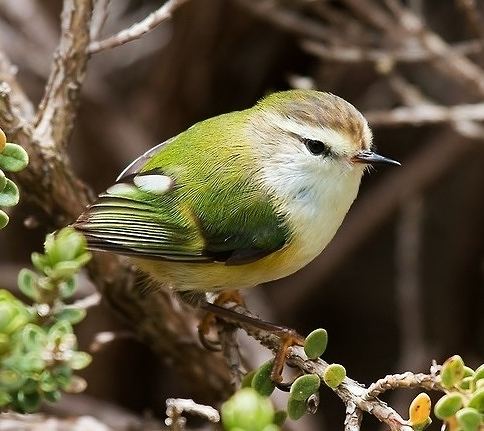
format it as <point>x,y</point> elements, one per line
<point>317,148</point>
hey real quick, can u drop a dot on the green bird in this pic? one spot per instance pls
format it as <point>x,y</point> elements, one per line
<point>239,199</point>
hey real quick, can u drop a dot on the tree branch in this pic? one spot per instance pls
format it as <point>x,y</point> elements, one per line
<point>138,29</point>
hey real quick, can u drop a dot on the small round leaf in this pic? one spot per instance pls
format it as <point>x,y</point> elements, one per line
<point>27,283</point>
<point>334,375</point>
<point>448,405</point>
<point>3,140</point>
<point>13,158</point>
<point>3,180</point>
<point>9,196</point>
<point>304,386</point>
<point>477,400</point>
<point>262,381</point>
<point>295,408</point>
<point>419,410</point>
<point>468,418</point>
<point>3,219</point>
<point>316,343</point>
<point>453,371</point>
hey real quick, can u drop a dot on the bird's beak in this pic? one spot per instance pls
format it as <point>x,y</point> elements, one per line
<point>369,157</point>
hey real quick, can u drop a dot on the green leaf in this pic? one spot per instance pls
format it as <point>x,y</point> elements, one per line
<point>468,418</point>
<point>304,386</point>
<point>262,381</point>
<point>47,382</point>
<point>53,396</point>
<point>5,399</point>
<point>29,402</point>
<point>247,379</point>
<point>280,417</point>
<point>452,371</point>
<point>3,219</point>
<point>40,261</point>
<point>479,373</point>
<point>13,158</point>
<point>72,315</point>
<point>59,329</point>
<point>9,196</point>
<point>31,361</point>
<point>248,411</point>
<point>10,379</point>
<point>477,401</point>
<point>80,360</point>
<point>316,343</point>
<point>33,337</point>
<point>295,408</point>
<point>334,375</point>
<point>27,283</point>
<point>68,287</point>
<point>448,406</point>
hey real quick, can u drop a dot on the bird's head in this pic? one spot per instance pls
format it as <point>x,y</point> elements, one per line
<point>315,132</point>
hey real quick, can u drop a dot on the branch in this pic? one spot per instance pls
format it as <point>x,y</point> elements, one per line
<point>176,406</point>
<point>353,417</point>
<point>406,380</point>
<point>352,54</point>
<point>138,29</point>
<point>57,110</point>
<point>426,114</point>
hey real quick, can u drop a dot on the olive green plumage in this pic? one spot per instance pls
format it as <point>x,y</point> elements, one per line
<point>212,211</point>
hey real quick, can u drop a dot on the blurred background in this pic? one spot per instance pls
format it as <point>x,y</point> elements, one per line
<point>402,282</point>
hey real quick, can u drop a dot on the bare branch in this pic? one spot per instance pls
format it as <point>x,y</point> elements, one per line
<point>353,417</point>
<point>406,380</point>
<point>426,114</point>
<point>99,16</point>
<point>352,54</point>
<point>57,110</point>
<point>138,29</point>
<point>176,406</point>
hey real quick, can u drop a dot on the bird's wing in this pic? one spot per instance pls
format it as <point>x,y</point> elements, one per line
<point>150,214</point>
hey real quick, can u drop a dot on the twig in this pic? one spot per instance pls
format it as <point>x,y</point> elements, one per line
<point>89,301</point>
<point>473,16</point>
<point>352,54</point>
<point>176,406</point>
<point>426,114</point>
<point>450,61</point>
<point>101,339</point>
<point>353,417</point>
<point>406,380</point>
<point>230,350</point>
<point>99,16</point>
<point>138,29</point>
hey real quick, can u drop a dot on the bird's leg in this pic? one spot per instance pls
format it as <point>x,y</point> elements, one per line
<point>209,320</point>
<point>288,336</point>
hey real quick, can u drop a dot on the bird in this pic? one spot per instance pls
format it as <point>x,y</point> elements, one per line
<point>239,199</point>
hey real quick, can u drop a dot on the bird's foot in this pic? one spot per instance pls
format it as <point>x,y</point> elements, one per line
<point>288,337</point>
<point>210,319</point>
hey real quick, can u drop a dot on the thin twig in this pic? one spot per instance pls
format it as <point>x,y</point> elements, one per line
<point>353,54</point>
<point>426,114</point>
<point>138,29</point>
<point>99,16</point>
<point>175,407</point>
<point>406,380</point>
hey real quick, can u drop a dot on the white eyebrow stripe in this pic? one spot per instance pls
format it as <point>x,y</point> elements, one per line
<point>157,184</point>
<point>318,133</point>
